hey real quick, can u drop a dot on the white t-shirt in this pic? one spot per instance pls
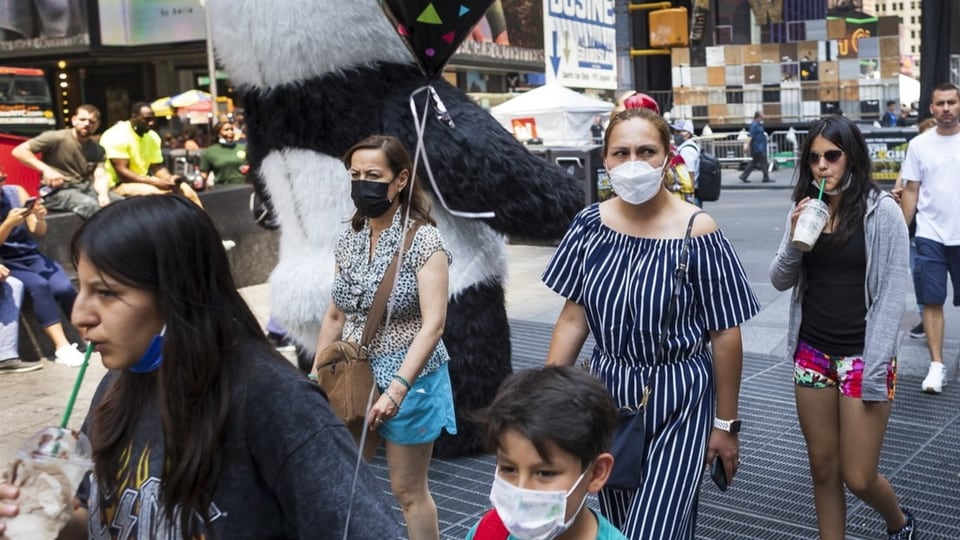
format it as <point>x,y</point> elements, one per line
<point>690,152</point>
<point>934,161</point>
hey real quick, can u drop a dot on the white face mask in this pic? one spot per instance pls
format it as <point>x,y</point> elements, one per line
<point>530,514</point>
<point>847,180</point>
<point>636,182</point>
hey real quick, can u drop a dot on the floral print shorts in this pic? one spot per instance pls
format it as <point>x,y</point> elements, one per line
<point>815,369</point>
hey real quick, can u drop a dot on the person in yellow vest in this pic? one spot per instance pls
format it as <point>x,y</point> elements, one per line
<point>135,160</point>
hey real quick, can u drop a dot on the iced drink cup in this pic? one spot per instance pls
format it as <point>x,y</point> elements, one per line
<point>48,471</point>
<point>810,224</point>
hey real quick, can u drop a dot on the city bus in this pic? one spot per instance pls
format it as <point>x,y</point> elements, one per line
<point>26,105</point>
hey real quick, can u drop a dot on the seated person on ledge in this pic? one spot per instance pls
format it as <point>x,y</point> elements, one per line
<point>21,218</point>
<point>71,165</point>
<point>135,158</point>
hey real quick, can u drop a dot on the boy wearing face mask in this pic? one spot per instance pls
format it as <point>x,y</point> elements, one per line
<point>550,428</point>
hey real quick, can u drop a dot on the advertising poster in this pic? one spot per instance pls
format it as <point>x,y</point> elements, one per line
<point>524,129</point>
<point>43,26</point>
<point>887,152</point>
<point>857,29</point>
<point>510,35</point>
<point>145,22</point>
<point>579,41</point>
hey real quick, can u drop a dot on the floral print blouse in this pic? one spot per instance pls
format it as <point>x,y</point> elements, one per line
<point>356,282</point>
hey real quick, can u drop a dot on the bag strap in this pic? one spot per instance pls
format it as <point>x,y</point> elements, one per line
<point>689,142</point>
<point>379,306</point>
<point>679,276</point>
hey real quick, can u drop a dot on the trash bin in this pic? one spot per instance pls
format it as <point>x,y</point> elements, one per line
<point>585,163</point>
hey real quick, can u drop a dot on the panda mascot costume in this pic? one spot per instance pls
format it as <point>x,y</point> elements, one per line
<point>320,75</point>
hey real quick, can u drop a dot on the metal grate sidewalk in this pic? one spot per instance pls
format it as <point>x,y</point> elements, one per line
<point>772,496</point>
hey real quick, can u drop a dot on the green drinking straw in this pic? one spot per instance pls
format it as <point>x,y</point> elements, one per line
<point>76,386</point>
<point>823,182</point>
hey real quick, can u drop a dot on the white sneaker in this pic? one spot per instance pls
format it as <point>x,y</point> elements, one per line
<point>69,356</point>
<point>228,245</point>
<point>935,379</point>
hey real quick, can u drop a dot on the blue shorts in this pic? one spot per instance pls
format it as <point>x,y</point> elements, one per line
<point>934,262</point>
<point>427,409</point>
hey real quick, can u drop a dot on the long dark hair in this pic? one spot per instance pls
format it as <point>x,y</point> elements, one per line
<point>166,245</point>
<point>397,159</point>
<point>857,184</point>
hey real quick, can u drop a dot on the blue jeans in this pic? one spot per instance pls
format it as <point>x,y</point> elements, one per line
<point>46,283</point>
<point>11,297</point>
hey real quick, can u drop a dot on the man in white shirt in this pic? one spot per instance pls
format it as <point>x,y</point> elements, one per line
<point>932,193</point>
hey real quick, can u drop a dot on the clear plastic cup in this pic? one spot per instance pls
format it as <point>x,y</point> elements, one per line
<point>810,224</point>
<point>48,470</point>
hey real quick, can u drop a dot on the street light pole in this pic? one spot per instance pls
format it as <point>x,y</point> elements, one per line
<point>624,42</point>
<point>211,62</point>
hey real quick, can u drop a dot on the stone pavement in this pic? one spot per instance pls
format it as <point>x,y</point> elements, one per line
<point>771,497</point>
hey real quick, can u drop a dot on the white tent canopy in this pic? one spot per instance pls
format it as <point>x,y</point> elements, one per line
<point>562,116</point>
<point>909,90</point>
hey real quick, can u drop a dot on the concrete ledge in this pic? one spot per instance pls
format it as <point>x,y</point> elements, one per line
<point>252,259</point>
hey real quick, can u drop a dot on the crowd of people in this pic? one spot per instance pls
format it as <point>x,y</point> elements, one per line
<point>81,173</point>
<point>245,446</point>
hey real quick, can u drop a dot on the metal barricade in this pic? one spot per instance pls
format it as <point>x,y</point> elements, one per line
<point>783,147</point>
<point>727,147</point>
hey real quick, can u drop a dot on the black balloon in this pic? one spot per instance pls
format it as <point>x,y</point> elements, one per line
<point>433,29</point>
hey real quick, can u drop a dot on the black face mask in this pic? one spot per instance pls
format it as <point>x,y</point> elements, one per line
<point>370,198</point>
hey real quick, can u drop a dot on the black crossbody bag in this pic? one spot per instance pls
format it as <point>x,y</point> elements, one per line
<point>629,442</point>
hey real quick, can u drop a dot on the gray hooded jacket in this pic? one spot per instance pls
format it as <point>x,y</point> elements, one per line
<point>888,252</point>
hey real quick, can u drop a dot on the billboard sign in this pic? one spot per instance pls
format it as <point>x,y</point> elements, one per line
<point>32,27</point>
<point>147,22</point>
<point>510,36</point>
<point>579,39</point>
<point>887,149</point>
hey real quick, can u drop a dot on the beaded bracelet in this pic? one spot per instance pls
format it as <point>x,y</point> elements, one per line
<point>392,400</point>
<point>399,378</point>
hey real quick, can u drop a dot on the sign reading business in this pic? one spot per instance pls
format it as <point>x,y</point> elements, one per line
<point>579,41</point>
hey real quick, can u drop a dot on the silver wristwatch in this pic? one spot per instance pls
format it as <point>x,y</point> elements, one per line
<point>730,426</point>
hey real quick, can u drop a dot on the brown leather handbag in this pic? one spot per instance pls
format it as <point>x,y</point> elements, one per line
<point>343,368</point>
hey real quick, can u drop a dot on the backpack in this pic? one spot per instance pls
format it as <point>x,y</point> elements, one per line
<point>709,181</point>
<point>709,174</point>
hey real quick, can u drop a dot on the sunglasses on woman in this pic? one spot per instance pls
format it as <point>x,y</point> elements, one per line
<point>832,156</point>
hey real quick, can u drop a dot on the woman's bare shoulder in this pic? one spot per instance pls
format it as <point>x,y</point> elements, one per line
<point>703,224</point>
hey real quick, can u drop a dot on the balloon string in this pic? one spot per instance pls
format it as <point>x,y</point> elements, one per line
<point>420,151</point>
<point>356,468</point>
<point>420,125</point>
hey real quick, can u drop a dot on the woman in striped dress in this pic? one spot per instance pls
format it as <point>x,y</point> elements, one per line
<point>614,267</point>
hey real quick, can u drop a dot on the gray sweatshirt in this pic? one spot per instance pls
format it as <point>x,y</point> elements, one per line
<point>888,252</point>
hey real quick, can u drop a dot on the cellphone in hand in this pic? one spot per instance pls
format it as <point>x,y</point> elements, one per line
<point>718,474</point>
<point>28,204</point>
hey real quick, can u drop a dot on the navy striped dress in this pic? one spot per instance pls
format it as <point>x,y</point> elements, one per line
<point>624,282</point>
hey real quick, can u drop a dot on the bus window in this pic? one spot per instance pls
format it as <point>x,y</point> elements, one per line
<point>26,105</point>
<point>18,89</point>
